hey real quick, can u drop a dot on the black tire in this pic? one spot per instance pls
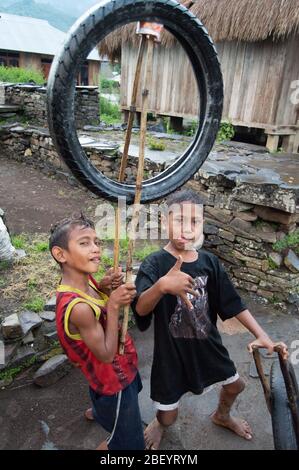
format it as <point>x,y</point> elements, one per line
<point>282,424</point>
<point>86,33</point>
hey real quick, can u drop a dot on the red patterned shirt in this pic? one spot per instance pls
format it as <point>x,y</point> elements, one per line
<point>105,379</point>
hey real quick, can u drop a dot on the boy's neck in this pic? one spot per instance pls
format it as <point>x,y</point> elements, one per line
<point>187,255</point>
<point>76,279</point>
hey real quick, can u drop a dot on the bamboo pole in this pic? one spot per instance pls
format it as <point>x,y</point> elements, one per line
<point>139,180</point>
<point>124,159</point>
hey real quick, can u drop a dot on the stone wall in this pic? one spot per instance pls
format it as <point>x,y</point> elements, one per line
<point>32,101</point>
<point>34,146</point>
<point>254,230</point>
<point>244,220</point>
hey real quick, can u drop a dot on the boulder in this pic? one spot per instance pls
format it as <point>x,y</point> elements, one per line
<point>52,371</point>
<point>11,327</point>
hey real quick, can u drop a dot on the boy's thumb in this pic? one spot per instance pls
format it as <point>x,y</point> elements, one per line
<point>178,263</point>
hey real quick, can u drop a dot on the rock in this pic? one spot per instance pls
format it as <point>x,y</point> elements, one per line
<point>238,206</point>
<point>267,237</point>
<point>29,321</point>
<point>210,229</point>
<point>223,215</point>
<point>28,153</point>
<point>274,215</point>
<point>247,216</point>
<point>24,353</point>
<point>265,293</point>
<point>29,338</point>
<point>48,316</point>
<point>11,327</point>
<point>19,254</point>
<point>51,304</point>
<point>266,195</point>
<point>52,371</point>
<point>276,258</point>
<point>269,287</point>
<point>246,276</point>
<point>10,351</point>
<point>247,285</point>
<point>291,261</point>
<point>214,240</point>
<point>241,224</point>
<point>226,235</point>
<point>48,327</point>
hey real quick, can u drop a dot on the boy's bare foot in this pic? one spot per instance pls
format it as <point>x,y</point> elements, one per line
<point>153,435</point>
<point>237,425</point>
<point>89,415</point>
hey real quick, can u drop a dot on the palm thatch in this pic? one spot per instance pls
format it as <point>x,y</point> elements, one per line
<point>226,20</point>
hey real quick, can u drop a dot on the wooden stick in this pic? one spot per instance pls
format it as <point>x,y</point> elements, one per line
<point>139,180</point>
<point>124,159</point>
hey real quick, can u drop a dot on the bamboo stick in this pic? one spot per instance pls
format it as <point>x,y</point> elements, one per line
<point>124,159</point>
<point>139,180</point>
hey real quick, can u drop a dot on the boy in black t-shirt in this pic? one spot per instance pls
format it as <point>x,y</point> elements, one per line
<point>185,289</point>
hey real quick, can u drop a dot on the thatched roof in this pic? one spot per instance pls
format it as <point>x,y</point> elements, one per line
<point>241,20</point>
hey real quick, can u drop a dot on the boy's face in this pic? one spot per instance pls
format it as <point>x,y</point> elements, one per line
<point>83,251</point>
<point>185,225</point>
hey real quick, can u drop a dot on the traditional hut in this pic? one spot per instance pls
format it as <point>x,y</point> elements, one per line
<point>258,46</point>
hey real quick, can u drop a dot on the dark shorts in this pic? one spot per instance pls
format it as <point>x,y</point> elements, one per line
<point>119,415</point>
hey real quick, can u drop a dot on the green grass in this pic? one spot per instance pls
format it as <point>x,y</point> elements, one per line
<point>39,247</point>
<point>289,241</point>
<point>20,75</point>
<point>18,241</point>
<point>109,112</point>
<point>35,304</point>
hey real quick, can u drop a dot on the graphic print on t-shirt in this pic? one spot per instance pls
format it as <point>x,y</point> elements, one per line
<point>185,323</point>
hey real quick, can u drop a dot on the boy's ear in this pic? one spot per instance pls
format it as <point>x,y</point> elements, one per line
<point>58,254</point>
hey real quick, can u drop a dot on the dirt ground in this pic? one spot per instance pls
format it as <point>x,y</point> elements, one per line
<point>33,201</point>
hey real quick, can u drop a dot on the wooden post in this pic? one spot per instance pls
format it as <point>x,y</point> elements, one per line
<point>272,142</point>
<point>139,180</point>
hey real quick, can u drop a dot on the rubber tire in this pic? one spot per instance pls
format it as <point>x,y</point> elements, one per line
<point>86,33</point>
<point>282,424</point>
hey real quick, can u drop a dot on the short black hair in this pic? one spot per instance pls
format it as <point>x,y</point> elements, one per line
<point>184,195</point>
<point>60,232</point>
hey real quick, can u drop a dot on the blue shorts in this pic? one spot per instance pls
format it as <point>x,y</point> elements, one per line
<point>119,415</point>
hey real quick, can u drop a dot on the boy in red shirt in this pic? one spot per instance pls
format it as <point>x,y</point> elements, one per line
<point>87,318</point>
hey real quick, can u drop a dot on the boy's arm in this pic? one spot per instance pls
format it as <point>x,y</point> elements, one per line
<point>148,300</point>
<point>175,282</point>
<point>262,339</point>
<point>102,344</point>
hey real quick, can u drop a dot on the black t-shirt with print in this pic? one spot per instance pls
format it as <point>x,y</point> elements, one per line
<point>188,350</point>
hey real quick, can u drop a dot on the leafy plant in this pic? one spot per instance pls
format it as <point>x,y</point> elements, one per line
<point>289,241</point>
<point>20,75</point>
<point>226,131</point>
<point>155,144</point>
